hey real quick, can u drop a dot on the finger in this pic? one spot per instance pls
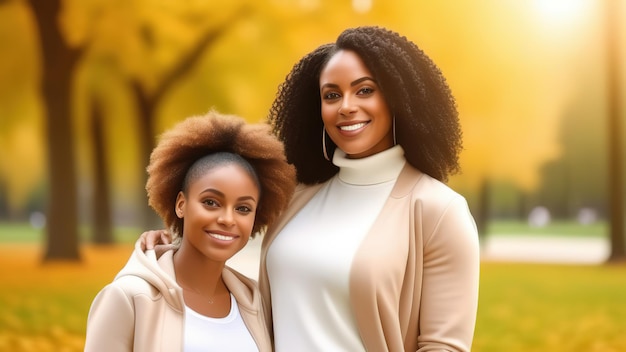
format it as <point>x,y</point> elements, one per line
<point>166,238</point>
<point>142,241</point>
<point>162,248</point>
<point>151,238</point>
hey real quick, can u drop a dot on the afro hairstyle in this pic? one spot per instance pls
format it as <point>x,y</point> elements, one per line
<point>195,137</point>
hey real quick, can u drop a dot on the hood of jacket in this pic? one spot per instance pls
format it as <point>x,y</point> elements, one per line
<point>159,272</point>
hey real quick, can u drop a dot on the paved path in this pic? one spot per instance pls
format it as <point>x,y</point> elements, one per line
<point>537,249</point>
<point>542,249</point>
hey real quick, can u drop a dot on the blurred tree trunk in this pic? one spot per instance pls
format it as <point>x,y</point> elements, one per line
<point>58,63</point>
<point>4,202</point>
<point>148,102</point>
<point>616,139</point>
<point>482,213</point>
<point>146,107</point>
<point>524,209</point>
<point>101,207</point>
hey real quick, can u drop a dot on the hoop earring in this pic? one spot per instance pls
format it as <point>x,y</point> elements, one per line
<point>324,144</point>
<point>393,124</point>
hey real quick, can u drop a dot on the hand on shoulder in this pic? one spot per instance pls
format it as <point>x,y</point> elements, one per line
<point>158,240</point>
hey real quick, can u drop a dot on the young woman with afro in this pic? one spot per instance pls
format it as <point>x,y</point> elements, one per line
<point>215,181</point>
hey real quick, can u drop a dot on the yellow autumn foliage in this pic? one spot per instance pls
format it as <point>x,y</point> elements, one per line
<point>512,65</point>
<point>44,306</point>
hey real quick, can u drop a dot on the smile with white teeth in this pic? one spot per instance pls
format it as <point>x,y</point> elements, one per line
<point>356,126</point>
<point>221,237</point>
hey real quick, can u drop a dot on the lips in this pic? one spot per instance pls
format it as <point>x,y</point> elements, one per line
<point>353,127</point>
<point>221,237</point>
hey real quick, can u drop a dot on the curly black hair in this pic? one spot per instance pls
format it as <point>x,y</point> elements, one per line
<point>418,96</point>
<point>195,137</point>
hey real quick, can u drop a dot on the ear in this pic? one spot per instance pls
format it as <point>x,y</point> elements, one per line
<point>180,205</point>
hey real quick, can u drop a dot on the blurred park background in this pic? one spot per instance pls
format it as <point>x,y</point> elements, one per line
<point>87,86</point>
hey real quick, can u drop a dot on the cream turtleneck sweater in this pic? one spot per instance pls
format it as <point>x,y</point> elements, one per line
<point>309,262</point>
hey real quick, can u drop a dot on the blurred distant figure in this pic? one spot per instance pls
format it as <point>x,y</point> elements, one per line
<point>587,216</point>
<point>37,220</point>
<point>539,217</point>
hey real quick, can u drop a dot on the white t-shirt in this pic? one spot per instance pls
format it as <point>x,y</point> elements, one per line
<point>206,334</point>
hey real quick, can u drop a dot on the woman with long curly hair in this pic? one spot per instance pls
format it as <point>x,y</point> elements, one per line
<point>375,252</point>
<point>216,182</point>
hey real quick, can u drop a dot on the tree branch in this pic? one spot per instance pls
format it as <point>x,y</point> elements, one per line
<point>192,57</point>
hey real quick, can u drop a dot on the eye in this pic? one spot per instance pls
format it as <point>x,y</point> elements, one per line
<point>211,203</point>
<point>244,209</point>
<point>330,96</point>
<point>365,91</point>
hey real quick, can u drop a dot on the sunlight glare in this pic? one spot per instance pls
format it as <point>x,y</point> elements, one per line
<point>309,5</point>
<point>558,11</point>
<point>362,6</point>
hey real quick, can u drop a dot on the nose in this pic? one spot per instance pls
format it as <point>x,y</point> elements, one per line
<point>226,218</point>
<point>347,107</point>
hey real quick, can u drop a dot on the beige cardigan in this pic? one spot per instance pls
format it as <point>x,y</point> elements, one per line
<point>418,292</point>
<point>143,308</point>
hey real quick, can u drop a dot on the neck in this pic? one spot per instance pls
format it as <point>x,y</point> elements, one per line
<point>194,272</point>
<point>381,167</point>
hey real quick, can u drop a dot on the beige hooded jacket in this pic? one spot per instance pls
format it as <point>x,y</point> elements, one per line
<point>143,308</point>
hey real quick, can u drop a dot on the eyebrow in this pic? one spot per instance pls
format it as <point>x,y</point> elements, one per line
<point>221,194</point>
<point>352,84</point>
<point>362,79</point>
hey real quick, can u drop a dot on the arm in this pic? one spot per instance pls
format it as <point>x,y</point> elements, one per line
<point>450,281</point>
<point>111,321</point>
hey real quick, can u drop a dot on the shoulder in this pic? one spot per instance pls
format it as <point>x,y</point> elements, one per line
<point>423,187</point>
<point>304,193</point>
<point>304,189</point>
<point>433,190</point>
<point>438,209</point>
<point>131,286</point>
<point>433,200</point>
<point>116,301</point>
<point>245,289</point>
<point>234,278</point>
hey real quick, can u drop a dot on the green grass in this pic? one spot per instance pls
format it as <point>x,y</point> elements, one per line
<point>536,307</point>
<point>24,233</point>
<point>556,228</point>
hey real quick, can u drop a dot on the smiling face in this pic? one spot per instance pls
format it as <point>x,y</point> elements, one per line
<point>354,111</point>
<point>218,210</point>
